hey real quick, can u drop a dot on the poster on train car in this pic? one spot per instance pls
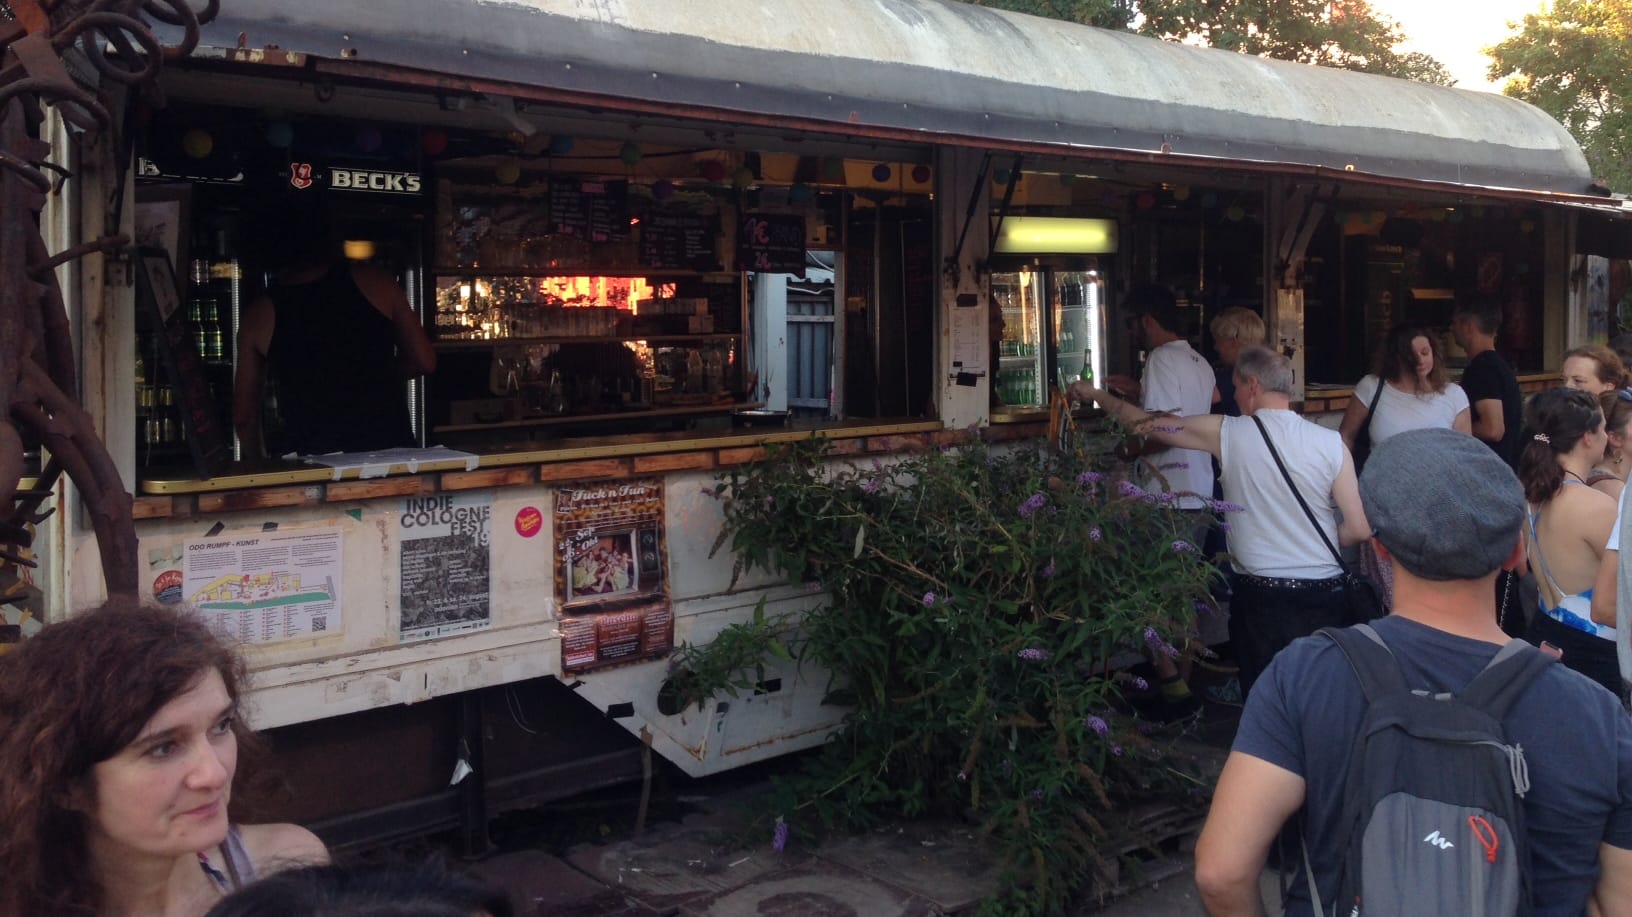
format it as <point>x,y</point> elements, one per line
<point>264,587</point>
<point>446,566</point>
<point>611,573</point>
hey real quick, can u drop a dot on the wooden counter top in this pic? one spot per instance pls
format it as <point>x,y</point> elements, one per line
<point>284,474</point>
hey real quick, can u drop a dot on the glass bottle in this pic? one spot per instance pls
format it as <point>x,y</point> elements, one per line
<point>1087,365</point>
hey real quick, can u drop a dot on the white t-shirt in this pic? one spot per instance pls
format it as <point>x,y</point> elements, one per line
<point>1177,380</point>
<point>1271,536</point>
<point>1398,412</point>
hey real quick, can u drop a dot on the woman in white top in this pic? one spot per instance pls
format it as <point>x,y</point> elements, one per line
<point>1415,394</point>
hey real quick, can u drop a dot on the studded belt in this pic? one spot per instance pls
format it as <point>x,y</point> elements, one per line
<point>1277,582</point>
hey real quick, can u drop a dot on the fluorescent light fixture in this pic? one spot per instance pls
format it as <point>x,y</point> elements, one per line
<point>1056,236</point>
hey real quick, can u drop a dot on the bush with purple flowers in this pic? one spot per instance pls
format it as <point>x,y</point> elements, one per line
<point>974,600</point>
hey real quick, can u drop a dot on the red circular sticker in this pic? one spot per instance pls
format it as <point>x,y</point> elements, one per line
<point>528,522</point>
<point>167,587</point>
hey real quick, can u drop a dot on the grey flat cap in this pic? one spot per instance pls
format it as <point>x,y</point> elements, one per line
<point>1442,503</point>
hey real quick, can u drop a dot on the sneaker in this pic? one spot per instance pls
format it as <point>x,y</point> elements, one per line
<point>1228,693</point>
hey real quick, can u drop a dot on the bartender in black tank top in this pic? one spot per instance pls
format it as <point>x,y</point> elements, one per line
<point>338,340</point>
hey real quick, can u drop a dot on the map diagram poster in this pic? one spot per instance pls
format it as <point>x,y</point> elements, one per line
<point>446,565</point>
<point>611,574</point>
<point>266,587</point>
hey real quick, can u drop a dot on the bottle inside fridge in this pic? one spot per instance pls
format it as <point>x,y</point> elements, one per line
<point>1053,330</point>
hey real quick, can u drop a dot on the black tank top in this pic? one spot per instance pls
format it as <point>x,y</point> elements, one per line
<point>333,358</point>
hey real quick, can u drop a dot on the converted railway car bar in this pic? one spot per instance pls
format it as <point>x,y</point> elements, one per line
<point>635,239</point>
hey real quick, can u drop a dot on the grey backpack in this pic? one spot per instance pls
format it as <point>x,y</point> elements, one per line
<point>1433,810</point>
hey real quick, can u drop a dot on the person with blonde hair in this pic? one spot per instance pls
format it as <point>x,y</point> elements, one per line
<point>1234,329</point>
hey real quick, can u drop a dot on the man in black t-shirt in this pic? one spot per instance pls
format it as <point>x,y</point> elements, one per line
<point>1496,406</point>
<point>1493,388</point>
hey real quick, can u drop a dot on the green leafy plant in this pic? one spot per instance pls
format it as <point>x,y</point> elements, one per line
<point>733,662</point>
<point>975,602</point>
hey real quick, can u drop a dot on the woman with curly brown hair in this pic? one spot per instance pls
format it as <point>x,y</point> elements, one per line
<point>120,747</point>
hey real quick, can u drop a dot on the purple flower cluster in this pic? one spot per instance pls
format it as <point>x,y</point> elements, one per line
<point>1116,750</point>
<point>1130,489</point>
<point>929,600</point>
<point>963,777</point>
<point>1182,547</point>
<point>1033,503</point>
<point>1140,684</point>
<point>1034,654</point>
<point>1224,528</point>
<point>779,837</point>
<point>1089,478</point>
<point>1094,534</point>
<point>1097,726</point>
<point>873,484</point>
<point>1047,571</point>
<point>1156,643</point>
<point>1225,506</point>
<point>1162,499</point>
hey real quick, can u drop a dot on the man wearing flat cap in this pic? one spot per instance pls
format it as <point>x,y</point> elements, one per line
<point>1448,512</point>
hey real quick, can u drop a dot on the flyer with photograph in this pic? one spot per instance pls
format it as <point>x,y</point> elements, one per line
<point>611,572</point>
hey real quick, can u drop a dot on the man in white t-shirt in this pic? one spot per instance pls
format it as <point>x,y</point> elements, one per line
<point>1177,381</point>
<point>1287,582</point>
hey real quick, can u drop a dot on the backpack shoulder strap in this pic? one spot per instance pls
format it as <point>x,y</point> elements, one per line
<point>1370,658</point>
<point>1505,678</point>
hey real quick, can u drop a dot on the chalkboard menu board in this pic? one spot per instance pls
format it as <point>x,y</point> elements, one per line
<point>679,241</point>
<point>156,288</point>
<point>593,210</point>
<point>771,243</point>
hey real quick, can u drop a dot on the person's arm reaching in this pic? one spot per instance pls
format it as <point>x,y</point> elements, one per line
<point>1253,799</point>
<point>1200,432</point>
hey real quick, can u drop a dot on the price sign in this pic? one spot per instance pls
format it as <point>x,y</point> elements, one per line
<point>771,243</point>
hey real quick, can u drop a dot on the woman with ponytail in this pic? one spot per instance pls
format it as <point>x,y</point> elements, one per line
<point>1569,524</point>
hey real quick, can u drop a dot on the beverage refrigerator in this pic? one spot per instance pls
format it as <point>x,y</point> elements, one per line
<point>1053,326</point>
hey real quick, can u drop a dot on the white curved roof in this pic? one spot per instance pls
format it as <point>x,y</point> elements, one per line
<point>948,70</point>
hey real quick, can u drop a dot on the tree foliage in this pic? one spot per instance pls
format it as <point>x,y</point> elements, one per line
<point>1573,60</point>
<point>1331,33</point>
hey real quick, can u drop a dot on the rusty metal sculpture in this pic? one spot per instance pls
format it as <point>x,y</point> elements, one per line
<point>77,56</point>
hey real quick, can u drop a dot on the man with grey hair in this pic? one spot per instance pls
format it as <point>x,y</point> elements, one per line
<point>1286,584</point>
<point>1448,512</point>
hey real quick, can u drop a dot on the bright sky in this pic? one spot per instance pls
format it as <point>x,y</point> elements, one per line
<point>1456,31</point>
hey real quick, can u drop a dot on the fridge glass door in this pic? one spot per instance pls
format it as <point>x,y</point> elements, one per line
<point>1079,324</point>
<point>1018,377</point>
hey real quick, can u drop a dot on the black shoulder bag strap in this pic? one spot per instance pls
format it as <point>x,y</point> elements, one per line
<point>1287,476</point>
<point>1371,409</point>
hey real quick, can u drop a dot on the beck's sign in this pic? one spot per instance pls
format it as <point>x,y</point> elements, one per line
<point>372,181</point>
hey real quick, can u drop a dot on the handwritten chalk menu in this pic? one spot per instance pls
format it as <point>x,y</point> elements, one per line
<point>771,243</point>
<point>679,241</point>
<point>156,288</point>
<point>593,210</point>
